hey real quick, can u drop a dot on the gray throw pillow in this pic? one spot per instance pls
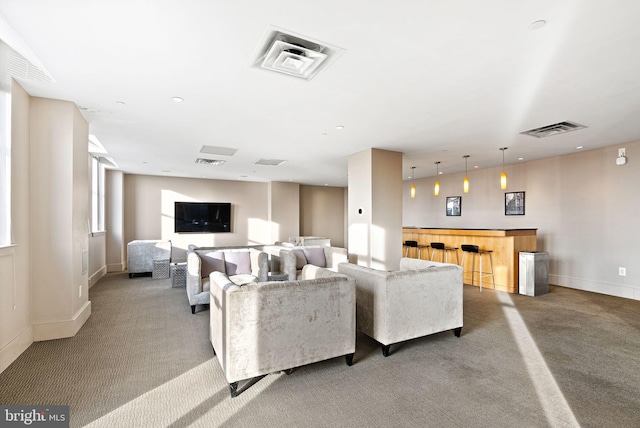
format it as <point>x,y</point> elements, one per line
<point>237,262</point>
<point>210,262</point>
<point>315,256</point>
<point>301,260</point>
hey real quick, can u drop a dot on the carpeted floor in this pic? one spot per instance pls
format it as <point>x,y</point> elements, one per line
<point>568,358</point>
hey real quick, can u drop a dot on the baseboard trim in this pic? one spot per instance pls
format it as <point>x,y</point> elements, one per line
<point>617,290</point>
<point>93,279</point>
<point>62,329</point>
<point>115,267</point>
<point>12,350</point>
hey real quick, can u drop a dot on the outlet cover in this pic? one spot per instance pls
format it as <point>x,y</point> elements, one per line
<point>622,271</point>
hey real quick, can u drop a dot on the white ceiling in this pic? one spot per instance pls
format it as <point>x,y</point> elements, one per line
<point>435,80</point>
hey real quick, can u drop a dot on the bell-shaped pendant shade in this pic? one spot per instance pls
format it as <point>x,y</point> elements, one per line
<point>436,189</point>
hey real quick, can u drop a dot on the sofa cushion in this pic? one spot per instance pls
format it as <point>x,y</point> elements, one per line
<point>211,261</point>
<point>315,256</point>
<point>301,259</point>
<point>243,279</point>
<point>237,262</point>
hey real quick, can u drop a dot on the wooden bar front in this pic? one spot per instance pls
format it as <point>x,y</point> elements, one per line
<point>505,244</point>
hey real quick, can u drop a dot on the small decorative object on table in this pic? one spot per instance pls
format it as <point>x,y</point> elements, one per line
<point>160,269</point>
<point>178,275</point>
<point>278,276</point>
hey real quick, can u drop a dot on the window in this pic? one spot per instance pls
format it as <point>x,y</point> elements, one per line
<point>5,168</point>
<point>97,195</point>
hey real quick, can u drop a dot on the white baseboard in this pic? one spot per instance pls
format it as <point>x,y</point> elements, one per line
<point>93,279</point>
<point>625,291</point>
<point>116,267</point>
<point>62,329</point>
<point>17,346</point>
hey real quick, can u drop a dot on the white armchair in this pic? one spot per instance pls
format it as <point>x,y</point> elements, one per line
<point>291,260</point>
<point>240,265</point>
<point>420,299</point>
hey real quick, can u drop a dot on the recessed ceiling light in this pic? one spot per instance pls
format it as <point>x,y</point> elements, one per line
<point>520,158</point>
<point>536,25</point>
<point>580,147</point>
<point>339,127</point>
<point>177,99</point>
<point>324,133</point>
<point>121,103</point>
<point>476,166</point>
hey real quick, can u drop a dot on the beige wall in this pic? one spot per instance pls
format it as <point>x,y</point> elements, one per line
<point>322,213</point>
<point>375,208</point>
<point>284,210</point>
<point>114,221</point>
<point>584,206</point>
<point>16,332</point>
<point>149,210</point>
<point>44,281</point>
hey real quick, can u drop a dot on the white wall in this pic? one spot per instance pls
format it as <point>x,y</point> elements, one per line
<point>114,221</point>
<point>584,206</point>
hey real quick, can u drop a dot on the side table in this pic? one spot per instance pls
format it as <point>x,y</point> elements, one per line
<point>178,275</point>
<point>278,276</point>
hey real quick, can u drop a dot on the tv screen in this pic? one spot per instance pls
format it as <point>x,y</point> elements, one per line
<point>203,217</point>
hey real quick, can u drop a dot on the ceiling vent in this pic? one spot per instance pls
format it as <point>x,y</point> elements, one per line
<point>215,150</point>
<point>213,162</point>
<point>555,129</point>
<point>294,55</point>
<point>269,162</point>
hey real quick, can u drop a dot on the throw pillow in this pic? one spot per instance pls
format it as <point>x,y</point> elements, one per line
<point>301,260</point>
<point>210,262</point>
<point>237,262</point>
<point>315,256</point>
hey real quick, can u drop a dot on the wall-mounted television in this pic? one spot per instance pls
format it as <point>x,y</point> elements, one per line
<point>202,217</point>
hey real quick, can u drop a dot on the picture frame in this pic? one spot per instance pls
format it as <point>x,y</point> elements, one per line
<point>454,206</point>
<point>514,203</point>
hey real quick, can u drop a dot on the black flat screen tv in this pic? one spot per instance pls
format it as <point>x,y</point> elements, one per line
<point>202,217</point>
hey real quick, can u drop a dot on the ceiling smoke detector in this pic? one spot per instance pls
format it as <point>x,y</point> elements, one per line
<point>554,129</point>
<point>213,162</point>
<point>294,55</point>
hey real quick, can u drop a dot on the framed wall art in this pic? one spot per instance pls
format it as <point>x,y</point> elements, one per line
<point>514,203</point>
<point>454,205</point>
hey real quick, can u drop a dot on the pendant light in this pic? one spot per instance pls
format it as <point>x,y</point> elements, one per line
<point>503,175</point>
<point>466,179</point>
<point>436,188</point>
<point>413,183</point>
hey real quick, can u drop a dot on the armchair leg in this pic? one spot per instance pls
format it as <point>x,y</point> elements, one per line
<point>457,331</point>
<point>385,350</point>
<point>349,358</point>
<point>233,388</point>
<point>193,309</point>
<point>130,275</point>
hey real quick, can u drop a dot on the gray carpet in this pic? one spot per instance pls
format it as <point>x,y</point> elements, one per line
<point>568,358</point>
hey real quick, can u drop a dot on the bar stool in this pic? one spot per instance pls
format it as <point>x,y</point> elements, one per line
<point>411,244</point>
<point>439,246</point>
<point>474,249</point>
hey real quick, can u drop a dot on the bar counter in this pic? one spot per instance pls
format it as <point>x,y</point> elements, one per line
<point>505,245</point>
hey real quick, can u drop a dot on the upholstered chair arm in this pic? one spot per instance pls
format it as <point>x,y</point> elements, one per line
<point>259,264</point>
<point>194,279</point>
<point>335,256</point>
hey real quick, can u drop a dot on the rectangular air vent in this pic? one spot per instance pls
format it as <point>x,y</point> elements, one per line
<point>214,162</point>
<point>269,162</point>
<point>555,129</point>
<point>216,150</point>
